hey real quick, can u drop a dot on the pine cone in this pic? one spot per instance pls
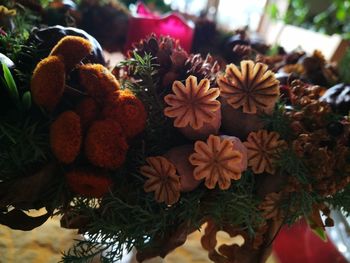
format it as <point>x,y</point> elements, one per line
<point>202,68</point>
<point>174,62</point>
<point>167,51</point>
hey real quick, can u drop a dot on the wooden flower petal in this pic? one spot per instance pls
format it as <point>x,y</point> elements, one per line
<point>192,104</point>
<point>216,162</point>
<point>262,148</point>
<point>253,88</point>
<point>162,179</point>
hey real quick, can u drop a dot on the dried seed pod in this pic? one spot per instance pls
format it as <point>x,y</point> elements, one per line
<point>216,162</point>
<point>254,87</point>
<point>263,146</point>
<point>162,179</point>
<point>179,157</point>
<point>195,108</point>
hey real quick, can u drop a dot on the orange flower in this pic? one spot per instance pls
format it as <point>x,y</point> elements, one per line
<point>88,183</point>
<point>105,144</point>
<point>65,137</point>
<point>262,149</point>
<point>98,81</point>
<point>128,110</point>
<point>216,161</point>
<point>192,104</point>
<point>72,49</point>
<point>48,82</point>
<point>88,111</point>
<point>253,88</point>
<point>162,179</point>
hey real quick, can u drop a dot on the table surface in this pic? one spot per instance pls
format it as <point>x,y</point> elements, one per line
<point>46,243</point>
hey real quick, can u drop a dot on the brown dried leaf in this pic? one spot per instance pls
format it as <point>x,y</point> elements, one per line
<point>18,220</point>
<point>25,192</point>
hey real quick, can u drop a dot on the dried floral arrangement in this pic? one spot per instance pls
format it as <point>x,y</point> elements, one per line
<point>142,156</point>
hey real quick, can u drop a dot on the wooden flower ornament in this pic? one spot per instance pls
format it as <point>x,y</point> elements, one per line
<point>193,104</point>
<point>217,162</point>
<point>253,88</point>
<point>262,149</point>
<point>162,179</point>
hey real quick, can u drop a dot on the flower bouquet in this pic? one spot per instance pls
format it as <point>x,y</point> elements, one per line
<point>166,142</point>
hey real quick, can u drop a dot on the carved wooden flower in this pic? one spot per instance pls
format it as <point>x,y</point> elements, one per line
<point>270,205</point>
<point>253,88</point>
<point>262,148</point>
<point>162,179</point>
<point>216,161</point>
<point>192,104</point>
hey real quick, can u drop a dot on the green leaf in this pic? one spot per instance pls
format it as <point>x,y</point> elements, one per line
<point>27,100</point>
<point>341,14</point>
<point>320,232</point>
<point>138,57</point>
<point>272,11</point>
<point>10,83</point>
<point>344,71</point>
<point>314,221</point>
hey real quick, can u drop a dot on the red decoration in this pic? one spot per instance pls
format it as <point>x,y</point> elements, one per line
<point>145,23</point>
<point>299,244</point>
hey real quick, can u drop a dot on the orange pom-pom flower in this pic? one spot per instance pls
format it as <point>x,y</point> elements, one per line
<point>88,111</point>
<point>105,144</point>
<point>72,50</point>
<point>98,81</point>
<point>65,137</point>
<point>48,82</point>
<point>88,183</point>
<point>128,110</point>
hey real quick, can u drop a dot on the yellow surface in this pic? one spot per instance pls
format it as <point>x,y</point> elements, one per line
<point>46,243</point>
<point>42,245</point>
<point>192,252</point>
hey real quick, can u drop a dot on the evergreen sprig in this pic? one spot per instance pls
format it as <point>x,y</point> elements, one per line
<point>159,133</point>
<point>23,144</point>
<point>132,218</point>
<point>341,201</point>
<point>290,164</point>
<point>278,121</point>
<point>297,205</point>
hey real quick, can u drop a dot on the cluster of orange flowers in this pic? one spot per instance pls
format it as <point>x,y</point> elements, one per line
<point>92,135</point>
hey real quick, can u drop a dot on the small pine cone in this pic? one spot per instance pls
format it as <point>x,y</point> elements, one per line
<point>207,68</point>
<point>242,51</point>
<point>298,116</point>
<point>297,127</point>
<point>167,54</point>
<point>298,88</point>
<point>165,49</point>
